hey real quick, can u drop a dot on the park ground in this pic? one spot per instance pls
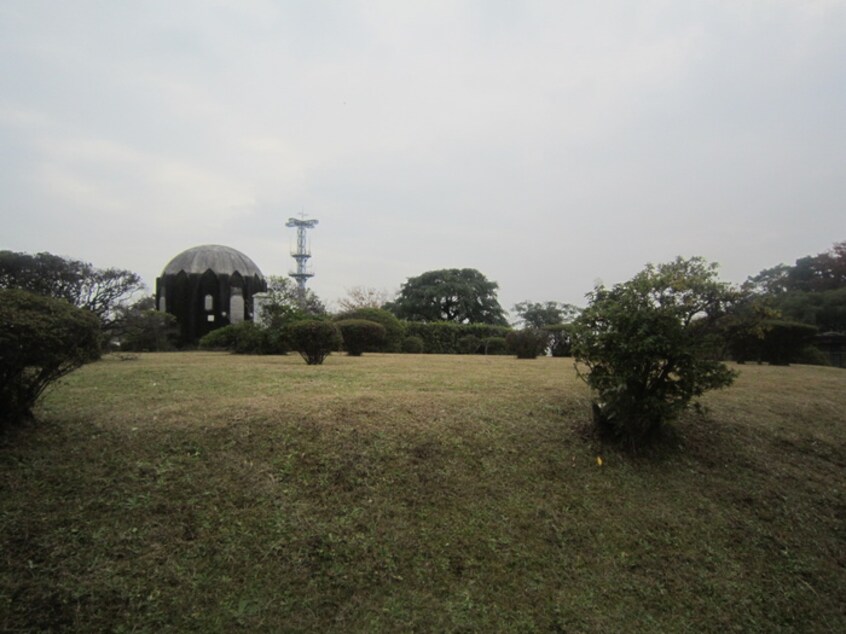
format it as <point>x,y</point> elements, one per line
<point>210,492</point>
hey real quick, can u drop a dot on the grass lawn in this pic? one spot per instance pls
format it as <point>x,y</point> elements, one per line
<point>214,493</point>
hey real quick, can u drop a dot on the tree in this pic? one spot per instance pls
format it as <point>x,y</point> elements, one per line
<point>649,346</point>
<point>101,291</point>
<point>457,295</point>
<point>140,327</point>
<point>359,297</point>
<point>41,340</point>
<point>285,299</point>
<point>537,314</point>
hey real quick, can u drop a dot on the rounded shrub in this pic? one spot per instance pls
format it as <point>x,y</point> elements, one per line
<point>468,344</point>
<point>412,345</point>
<point>314,339</point>
<point>41,340</point>
<point>219,339</point>
<point>527,343</point>
<point>360,335</point>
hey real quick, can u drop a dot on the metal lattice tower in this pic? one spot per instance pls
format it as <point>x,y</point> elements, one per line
<point>302,254</point>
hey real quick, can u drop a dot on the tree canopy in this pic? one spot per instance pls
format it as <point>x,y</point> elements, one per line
<point>540,314</point>
<point>101,291</point>
<point>464,296</point>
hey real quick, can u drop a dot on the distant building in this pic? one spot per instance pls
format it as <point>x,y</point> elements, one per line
<point>207,287</point>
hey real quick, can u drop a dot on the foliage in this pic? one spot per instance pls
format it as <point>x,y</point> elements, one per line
<point>101,291</point>
<point>784,341</point>
<point>442,337</point>
<point>41,340</point>
<point>142,328</point>
<point>394,330</point>
<point>468,344</point>
<point>494,345</point>
<point>359,297</point>
<point>360,335</point>
<point>454,295</point>
<point>527,343</point>
<point>314,339</point>
<point>559,339</point>
<point>813,290</point>
<point>412,345</point>
<point>285,301</point>
<point>246,338</point>
<point>538,315</point>
<point>649,346</point>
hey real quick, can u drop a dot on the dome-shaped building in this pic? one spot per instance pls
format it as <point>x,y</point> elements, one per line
<point>207,287</point>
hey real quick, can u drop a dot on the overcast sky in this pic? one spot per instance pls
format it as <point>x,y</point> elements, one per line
<point>550,145</point>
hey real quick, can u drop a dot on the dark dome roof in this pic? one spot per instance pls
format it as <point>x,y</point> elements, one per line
<point>220,259</point>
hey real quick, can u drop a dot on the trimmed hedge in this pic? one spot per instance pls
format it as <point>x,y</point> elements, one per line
<point>247,338</point>
<point>442,337</point>
<point>494,345</point>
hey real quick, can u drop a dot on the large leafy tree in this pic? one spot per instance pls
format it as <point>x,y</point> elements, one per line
<point>812,291</point>
<point>464,296</point>
<point>101,291</point>
<point>541,314</point>
<point>648,346</point>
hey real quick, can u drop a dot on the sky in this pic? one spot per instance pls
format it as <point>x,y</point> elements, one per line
<point>550,145</point>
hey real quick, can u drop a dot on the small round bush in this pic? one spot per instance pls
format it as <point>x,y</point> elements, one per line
<point>360,335</point>
<point>468,344</point>
<point>412,345</point>
<point>527,343</point>
<point>314,339</point>
<point>494,345</point>
<point>41,340</point>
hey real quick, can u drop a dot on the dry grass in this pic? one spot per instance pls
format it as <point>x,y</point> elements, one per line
<point>209,492</point>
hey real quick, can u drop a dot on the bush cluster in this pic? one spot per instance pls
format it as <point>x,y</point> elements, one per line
<point>773,341</point>
<point>247,338</point>
<point>412,345</point>
<point>443,337</point>
<point>41,340</point>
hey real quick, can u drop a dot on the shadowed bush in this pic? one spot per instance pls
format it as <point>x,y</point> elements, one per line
<point>412,345</point>
<point>468,344</point>
<point>527,343</point>
<point>360,335</point>
<point>494,345</point>
<point>41,340</point>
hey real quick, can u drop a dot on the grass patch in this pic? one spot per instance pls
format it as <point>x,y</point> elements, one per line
<point>214,492</point>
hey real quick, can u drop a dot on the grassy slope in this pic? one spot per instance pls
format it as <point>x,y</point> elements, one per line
<point>210,492</point>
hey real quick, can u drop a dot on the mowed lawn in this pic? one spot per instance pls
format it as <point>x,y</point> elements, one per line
<point>208,492</point>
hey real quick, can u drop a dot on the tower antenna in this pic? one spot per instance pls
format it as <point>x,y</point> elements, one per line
<point>302,254</point>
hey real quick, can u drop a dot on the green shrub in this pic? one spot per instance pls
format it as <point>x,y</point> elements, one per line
<point>314,339</point>
<point>811,355</point>
<point>469,344</point>
<point>647,350</point>
<point>394,329</point>
<point>412,345</point>
<point>219,339</point>
<point>442,337</point>
<point>494,345</point>
<point>360,335</point>
<point>41,340</point>
<point>527,343</point>
<point>784,340</point>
